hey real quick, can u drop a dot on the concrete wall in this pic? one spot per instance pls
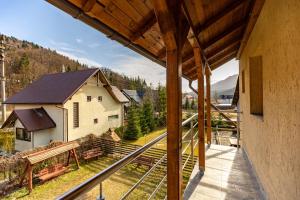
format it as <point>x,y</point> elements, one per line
<point>88,111</point>
<point>272,140</point>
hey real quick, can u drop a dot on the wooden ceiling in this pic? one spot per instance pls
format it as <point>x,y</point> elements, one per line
<point>222,26</point>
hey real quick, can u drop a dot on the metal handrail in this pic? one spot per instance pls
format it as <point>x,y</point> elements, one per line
<point>104,174</point>
<point>143,178</point>
<point>101,176</point>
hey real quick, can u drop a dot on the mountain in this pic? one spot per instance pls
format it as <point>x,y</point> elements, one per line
<point>26,61</point>
<point>223,87</point>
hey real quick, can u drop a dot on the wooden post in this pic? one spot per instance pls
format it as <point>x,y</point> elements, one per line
<point>174,30</point>
<point>201,131</point>
<point>76,158</point>
<point>29,171</point>
<point>208,107</point>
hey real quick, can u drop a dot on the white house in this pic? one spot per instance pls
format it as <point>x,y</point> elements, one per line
<point>65,106</point>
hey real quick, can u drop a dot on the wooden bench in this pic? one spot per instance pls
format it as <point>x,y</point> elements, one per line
<point>144,160</point>
<point>51,172</point>
<point>92,153</point>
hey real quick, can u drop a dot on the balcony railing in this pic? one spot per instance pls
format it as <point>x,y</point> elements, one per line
<point>190,141</point>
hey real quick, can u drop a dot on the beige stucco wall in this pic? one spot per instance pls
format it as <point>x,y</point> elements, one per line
<point>56,113</point>
<point>88,111</point>
<point>272,142</point>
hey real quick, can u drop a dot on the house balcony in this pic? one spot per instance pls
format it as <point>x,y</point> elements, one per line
<point>228,175</point>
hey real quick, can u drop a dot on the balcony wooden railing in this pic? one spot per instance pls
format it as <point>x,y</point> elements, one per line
<point>189,137</point>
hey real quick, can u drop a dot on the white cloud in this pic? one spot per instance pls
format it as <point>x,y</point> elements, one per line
<point>82,60</point>
<point>139,66</point>
<point>94,45</point>
<point>78,40</point>
<point>65,47</point>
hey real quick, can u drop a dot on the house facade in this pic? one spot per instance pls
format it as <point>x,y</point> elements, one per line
<point>269,96</point>
<point>79,103</point>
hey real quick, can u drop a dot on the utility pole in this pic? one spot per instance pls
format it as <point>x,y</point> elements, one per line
<point>2,78</point>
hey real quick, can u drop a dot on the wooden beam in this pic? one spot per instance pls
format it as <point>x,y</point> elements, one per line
<point>88,5</point>
<point>221,62</point>
<point>222,54</point>
<point>162,53</point>
<point>166,23</point>
<point>147,23</point>
<point>224,47</point>
<point>208,107</point>
<point>233,28</point>
<point>214,62</point>
<point>195,42</point>
<point>174,30</point>
<point>229,9</point>
<point>200,75</point>
<point>255,9</point>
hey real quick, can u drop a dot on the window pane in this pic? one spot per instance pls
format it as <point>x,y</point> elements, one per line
<point>113,117</point>
<point>89,98</point>
<point>75,114</point>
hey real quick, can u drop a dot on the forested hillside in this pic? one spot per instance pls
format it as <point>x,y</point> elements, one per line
<point>26,61</point>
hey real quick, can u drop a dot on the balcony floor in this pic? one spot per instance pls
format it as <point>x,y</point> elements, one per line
<point>228,175</point>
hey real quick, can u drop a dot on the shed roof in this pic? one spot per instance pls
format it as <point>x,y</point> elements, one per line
<point>59,87</point>
<point>222,27</point>
<point>32,119</point>
<point>49,153</point>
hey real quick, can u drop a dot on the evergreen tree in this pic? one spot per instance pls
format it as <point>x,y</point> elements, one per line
<point>193,104</point>
<point>148,115</point>
<point>187,103</point>
<point>162,105</point>
<point>133,130</point>
<point>143,121</point>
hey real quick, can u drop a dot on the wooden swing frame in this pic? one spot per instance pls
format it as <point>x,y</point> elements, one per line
<point>43,155</point>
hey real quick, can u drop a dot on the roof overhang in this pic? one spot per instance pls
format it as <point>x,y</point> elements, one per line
<point>221,27</point>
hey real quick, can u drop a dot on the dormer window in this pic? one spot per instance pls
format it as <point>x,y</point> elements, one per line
<point>100,98</point>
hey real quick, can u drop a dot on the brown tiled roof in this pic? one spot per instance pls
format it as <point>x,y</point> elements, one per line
<point>32,119</point>
<point>58,88</point>
<point>52,88</point>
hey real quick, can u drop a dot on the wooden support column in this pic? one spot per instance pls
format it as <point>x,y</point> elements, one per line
<point>208,106</point>
<point>201,131</point>
<point>174,30</point>
<point>29,171</point>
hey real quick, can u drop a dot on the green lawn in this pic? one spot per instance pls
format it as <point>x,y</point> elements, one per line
<point>150,136</point>
<point>113,187</point>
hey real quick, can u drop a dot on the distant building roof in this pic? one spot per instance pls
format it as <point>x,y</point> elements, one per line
<point>58,88</point>
<point>132,94</point>
<point>117,94</point>
<point>32,119</point>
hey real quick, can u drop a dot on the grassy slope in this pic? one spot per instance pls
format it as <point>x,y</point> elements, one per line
<point>122,180</point>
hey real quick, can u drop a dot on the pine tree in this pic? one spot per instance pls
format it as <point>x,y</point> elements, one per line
<point>162,105</point>
<point>143,121</point>
<point>193,104</point>
<point>187,103</point>
<point>149,115</point>
<point>133,130</point>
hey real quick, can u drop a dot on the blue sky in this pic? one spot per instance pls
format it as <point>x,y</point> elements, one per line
<point>40,22</point>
